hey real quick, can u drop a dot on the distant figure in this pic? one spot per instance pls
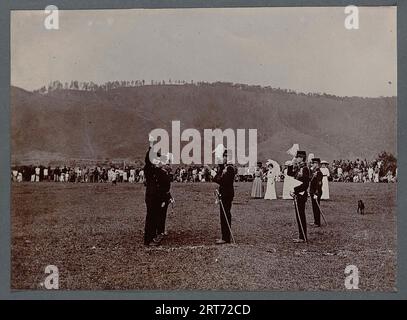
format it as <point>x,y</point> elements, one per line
<point>57,172</point>
<point>376,174</point>
<point>270,193</point>
<point>370,174</point>
<point>141,176</point>
<point>15,175</point>
<point>132,175</point>
<point>325,184</point>
<point>37,174</point>
<point>361,207</point>
<point>257,187</point>
<point>340,172</point>
<point>114,176</point>
<point>45,174</point>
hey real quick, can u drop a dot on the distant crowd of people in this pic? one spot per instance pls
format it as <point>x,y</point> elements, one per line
<point>362,171</point>
<point>77,174</point>
<point>338,171</point>
<point>99,174</point>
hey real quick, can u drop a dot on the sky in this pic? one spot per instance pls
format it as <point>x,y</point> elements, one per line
<point>302,49</point>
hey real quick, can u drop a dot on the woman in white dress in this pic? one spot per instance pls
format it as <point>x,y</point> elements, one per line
<point>325,185</point>
<point>15,174</point>
<point>376,174</point>
<point>271,178</point>
<point>132,177</point>
<point>257,187</point>
<point>288,186</point>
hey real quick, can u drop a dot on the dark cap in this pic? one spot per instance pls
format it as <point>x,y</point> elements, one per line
<point>318,160</point>
<point>301,154</point>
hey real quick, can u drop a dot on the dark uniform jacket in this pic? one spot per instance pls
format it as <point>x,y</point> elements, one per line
<point>157,181</point>
<point>315,187</point>
<point>301,173</point>
<point>225,181</point>
<point>150,181</point>
<point>164,185</point>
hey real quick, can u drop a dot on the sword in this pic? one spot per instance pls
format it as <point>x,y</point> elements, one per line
<point>218,197</point>
<point>299,218</point>
<point>172,201</point>
<point>320,210</point>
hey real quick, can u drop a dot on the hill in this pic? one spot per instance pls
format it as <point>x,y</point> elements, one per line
<point>114,124</point>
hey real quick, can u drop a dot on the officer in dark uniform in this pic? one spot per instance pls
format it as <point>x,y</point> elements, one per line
<point>300,171</point>
<point>315,190</point>
<point>225,178</point>
<point>153,206</point>
<point>165,198</point>
<point>157,185</point>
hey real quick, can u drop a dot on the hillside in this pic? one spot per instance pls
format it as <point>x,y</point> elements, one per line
<point>114,124</point>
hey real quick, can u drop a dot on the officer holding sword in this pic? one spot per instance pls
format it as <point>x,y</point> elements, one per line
<point>225,178</point>
<point>315,190</point>
<point>300,171</point>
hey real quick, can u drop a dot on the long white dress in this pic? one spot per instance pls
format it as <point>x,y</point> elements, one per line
<point>257,187</point>
<point>287,186</point>
<point>376,176</point>
<point>271,185</point>
<point>325,184</point>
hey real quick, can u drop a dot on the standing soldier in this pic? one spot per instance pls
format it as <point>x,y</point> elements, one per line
<point>164,197</point>
<point>157,182</point>
<point>225,178</point>
<point>315,190</point>
<point>300,172</point>
<point>153,206</point>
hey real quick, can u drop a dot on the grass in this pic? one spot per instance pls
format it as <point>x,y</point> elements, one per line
<point>94,234</point>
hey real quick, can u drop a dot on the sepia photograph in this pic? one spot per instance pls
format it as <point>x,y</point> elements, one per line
<point>201,149</point>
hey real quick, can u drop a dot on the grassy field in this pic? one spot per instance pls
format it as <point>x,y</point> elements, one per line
<point>94,234</point>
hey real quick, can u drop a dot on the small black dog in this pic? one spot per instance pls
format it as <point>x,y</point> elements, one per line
<point>361,207</point>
